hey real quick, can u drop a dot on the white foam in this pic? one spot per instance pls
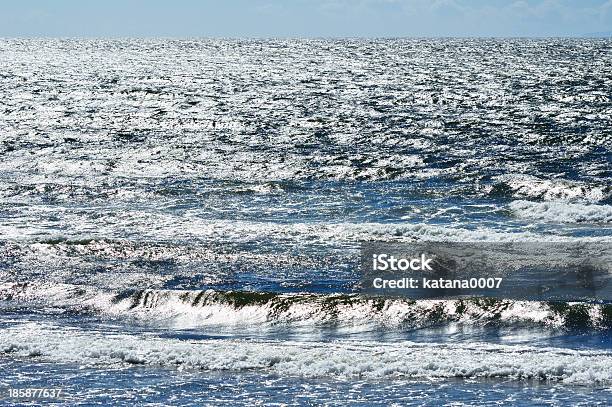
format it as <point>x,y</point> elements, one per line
<point>341,359</point>
<point>562,212</point>
<point>170,227</point>
<point>526,186</point>
<point>327,232</point>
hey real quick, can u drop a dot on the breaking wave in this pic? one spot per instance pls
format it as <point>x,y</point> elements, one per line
<point>187,309</point>
<point>533,188</point>
<point>562,212</point>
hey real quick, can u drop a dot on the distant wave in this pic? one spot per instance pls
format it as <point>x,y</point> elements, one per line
<point>199,308</point>
<point>534,188</point>
<point>562,212</point>
<point>175,228</point>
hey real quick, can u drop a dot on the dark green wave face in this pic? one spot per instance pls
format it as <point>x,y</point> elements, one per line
<point>248,309</point>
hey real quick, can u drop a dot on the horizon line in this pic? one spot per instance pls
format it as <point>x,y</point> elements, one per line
<point>603,35</point>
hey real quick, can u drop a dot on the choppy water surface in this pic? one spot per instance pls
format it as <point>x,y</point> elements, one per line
<point>180,220</point>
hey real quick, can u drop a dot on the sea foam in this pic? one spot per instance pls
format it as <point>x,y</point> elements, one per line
<point>340,359</point>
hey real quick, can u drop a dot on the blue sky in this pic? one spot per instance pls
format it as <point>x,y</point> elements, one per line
<point>303,18</point>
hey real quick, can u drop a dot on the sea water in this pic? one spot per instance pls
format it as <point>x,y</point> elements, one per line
<point>180,220</point>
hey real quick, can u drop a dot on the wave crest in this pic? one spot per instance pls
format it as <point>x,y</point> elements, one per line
<point>562,212</point>
<point>194,308</point>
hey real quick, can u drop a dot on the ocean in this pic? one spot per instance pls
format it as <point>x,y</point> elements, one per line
<point>181,220</point>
